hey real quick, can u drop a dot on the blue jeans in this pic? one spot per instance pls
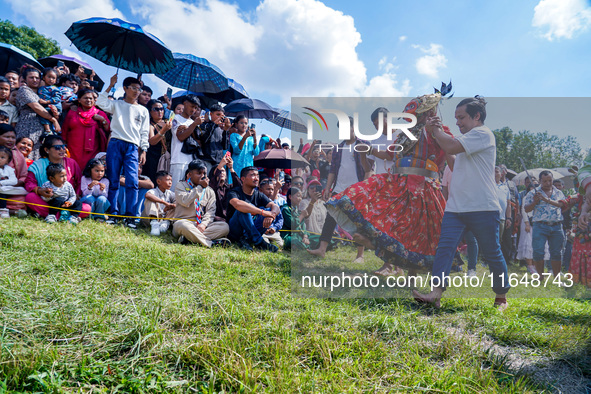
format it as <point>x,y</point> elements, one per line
<point>98,204</point>
<point>553,234</point>
<point>472,249</point>
<point>139,205</point>
<point>244,225</point>
<point>485,227</point>
<point>122,155</point>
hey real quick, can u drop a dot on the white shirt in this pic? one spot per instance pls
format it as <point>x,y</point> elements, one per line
<point>473,187</point>
<point>167,196</point>
<point>382,166</point>
<point>130,123</point>
<point>348,171</point>
<point>176,156</point>
<point>504,194</point>
<point>7,172</point>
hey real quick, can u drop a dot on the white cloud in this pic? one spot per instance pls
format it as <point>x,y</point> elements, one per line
<point>285,48</point>
<point>432,61</point>
<point>386,85</point>
<point>213,29</point>
<point>562,18</point>
<point>54,18</point>
<point>402,38</point>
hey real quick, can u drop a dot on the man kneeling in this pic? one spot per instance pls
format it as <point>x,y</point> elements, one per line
<point>195,204</point>
<point>251,213</point>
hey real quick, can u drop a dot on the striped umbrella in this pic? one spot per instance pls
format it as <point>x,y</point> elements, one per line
<point>286,119</point>
<point>195,74</point>
<point>251,108</point>
<point>235,91</point>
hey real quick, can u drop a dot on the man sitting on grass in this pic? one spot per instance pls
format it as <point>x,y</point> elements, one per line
<point>251,213</point>
<point>195,204</point>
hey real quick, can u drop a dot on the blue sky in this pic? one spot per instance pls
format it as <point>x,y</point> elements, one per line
<point>283,48</point>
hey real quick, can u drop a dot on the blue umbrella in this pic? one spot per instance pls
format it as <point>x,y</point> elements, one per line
<point>12,58</point>
<point>288,120</point>
<point>235,91</point>
<point>195,74</point>
<point>121,44</point>
<point>251,108</point>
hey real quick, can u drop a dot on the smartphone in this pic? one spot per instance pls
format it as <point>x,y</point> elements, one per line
<point>228,154</point>
<point>169,93</point>
<point>253,126</point>
<point>60,63</point>
<point>87,71</point>
<point>94,84</point>
<point>171,115</point>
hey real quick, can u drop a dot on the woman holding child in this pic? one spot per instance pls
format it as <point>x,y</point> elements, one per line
<point>52,150</point>
<point>27,104</point>
<point>86,129</point>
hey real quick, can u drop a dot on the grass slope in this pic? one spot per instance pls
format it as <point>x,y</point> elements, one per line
<point>94,308</point>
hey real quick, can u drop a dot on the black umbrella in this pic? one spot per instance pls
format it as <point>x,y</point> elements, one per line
<point>121,44</point>
<point>12,58</point>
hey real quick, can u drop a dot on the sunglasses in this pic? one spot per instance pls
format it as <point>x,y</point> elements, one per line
<point>158,109</point>
<point>298,183</point>
<point>59,147</point>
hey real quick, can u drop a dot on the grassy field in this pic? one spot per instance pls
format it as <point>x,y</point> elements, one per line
<point>94,308</point>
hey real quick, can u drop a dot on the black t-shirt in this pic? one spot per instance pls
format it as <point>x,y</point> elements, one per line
<point>257,199</point>
<point>214,142</point>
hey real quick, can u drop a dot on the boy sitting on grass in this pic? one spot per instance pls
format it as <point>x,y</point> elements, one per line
<point>159,203</point>
<point>196,204</point>
<point>62,195</point>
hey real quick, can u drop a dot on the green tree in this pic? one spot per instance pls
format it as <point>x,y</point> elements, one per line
<point>28,39</point>
<point>538,150</point>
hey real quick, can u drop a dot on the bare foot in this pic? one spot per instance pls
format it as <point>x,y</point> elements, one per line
<point>316,252</point>
<point>398,271</point>
<point>363,240</point>
<point>501,303</point>
<point>385,270</point>
<point>359,260</point>
<point>432,298</point>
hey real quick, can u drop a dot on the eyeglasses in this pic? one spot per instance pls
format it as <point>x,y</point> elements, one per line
<point>158,109</point>
<point>134,88</point>
<point>59,147</point>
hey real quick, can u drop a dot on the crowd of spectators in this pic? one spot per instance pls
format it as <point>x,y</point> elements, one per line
<point>68,151</point>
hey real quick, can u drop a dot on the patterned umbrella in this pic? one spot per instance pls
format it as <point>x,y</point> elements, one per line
<point>195,74</point>
<point>251,108</point>
<point>12,58</point>
<point>235,91</point>
<point>121,44</point>
<point>286,119</point>
<point>72,63</point>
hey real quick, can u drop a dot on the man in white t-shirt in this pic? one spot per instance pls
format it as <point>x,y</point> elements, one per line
<point>183,127</point>
<point>127,147</point>
<point>472,203</point>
